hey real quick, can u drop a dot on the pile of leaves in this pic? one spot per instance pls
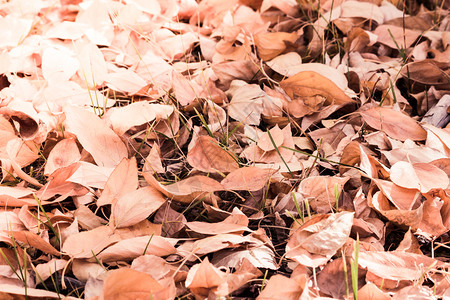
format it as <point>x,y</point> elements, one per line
<point>270,149</point>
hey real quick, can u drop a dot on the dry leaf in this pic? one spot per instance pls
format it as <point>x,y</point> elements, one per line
<point>246,103</point>
<point>123,180</point>
<point>420,176</point>
<point>270,44</point>
<point>103,144</point>
<point>247,179</point>
<point>311,84</point>
<point>124,283</point>
<point>188,190</point>
<point>129,249</point>
<point>320,191</point>
<point>204,279</point>
<point>33,240</point>
<point>62,155</point>
<point>135,206</point>
<point>280,287</point>
<point>395,124</point>
<point>208,156</point>
<point>319,238</point>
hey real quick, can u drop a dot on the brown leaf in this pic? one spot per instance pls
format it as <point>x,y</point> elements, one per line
<point>246,103</point>
<point>432,223</point>
<point>208,156</point>
<point>259,256</point>
<point>311,84</point>
<point>428,72</point>
<point>396,37</point>
<point>45,270</point>
<point>24,116</point>
<point>333,279</point>
<point>58,184</point>
<point>265,142</point>
<point>129,249</point>
<point>158,268</point>
<point>235,223</point>
<point>409,218</point>
<point>397,265</point>
<point>395,124</point>
<point>87,243</point>
<point>402,198</point>
<point>371,292</point>
<point>7,290</point>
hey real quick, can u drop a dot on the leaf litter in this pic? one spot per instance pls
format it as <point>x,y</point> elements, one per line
<point>224,149</point>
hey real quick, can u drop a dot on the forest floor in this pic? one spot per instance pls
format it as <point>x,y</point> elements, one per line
<point>239,149</point>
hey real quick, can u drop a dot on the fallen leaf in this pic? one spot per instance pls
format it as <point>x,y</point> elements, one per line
<point>62,155</point>
<point>247,179</point>
<point>88,243</point>
<point>135,206</point>
<point>420,176</point>
<point>208,156</point>
<point>123,180</point>
<point>279,287</point>
<point>320,238</point>
<point>395,124</point>
<point>103,144</point>
<point>33,240</point>
<point>320,190</point>
<point>270,44</point>
<point>246,103</point>
<point>129,249</point>
<point>193,188</point>
<point>125,283</point>
<point>311,84</point>
<point>204,279</point>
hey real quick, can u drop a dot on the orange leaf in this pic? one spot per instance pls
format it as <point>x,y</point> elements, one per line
<point>280,287</point>
<point>321,189</point>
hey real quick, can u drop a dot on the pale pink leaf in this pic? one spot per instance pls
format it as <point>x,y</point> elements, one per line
<point>100,141</point>
<point>421,176</point>
<point>62,155</point>
<point>132,248</point>
<point>135,206</point>
<point>123,180</point>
